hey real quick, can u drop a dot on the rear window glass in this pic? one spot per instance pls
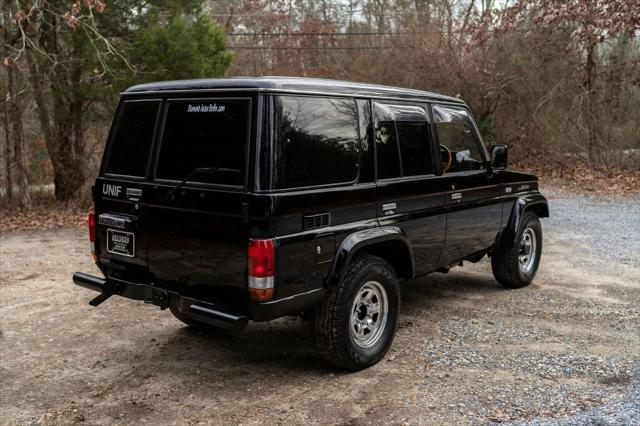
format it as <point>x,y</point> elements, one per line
<point>132,138</point>
<point>316,141</point>
<point>205,133</point>
<point>403,141</point>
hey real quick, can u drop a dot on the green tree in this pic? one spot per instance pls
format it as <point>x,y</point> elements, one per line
<point>180,48</point>
<point>80,54</point>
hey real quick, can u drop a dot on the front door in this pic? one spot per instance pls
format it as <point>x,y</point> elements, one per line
<point>474,209</point>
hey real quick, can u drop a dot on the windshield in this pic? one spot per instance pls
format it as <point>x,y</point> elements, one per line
<point>205,133</point>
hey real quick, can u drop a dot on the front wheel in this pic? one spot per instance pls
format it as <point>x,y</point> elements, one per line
<point>356,324</point>
<point>516,266</point>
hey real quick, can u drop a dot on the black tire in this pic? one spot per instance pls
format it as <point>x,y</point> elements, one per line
<point>332,320</point>
<point>505,261</point>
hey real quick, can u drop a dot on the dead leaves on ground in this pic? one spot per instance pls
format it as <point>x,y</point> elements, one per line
<point>588,180</point>
<point>45,216</point>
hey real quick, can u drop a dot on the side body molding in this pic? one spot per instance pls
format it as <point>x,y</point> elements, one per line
<point>385,238</point>
<point>533,201</point>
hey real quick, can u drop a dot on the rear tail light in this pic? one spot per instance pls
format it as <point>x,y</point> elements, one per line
<point>92,234</point>
<point>261,261</point>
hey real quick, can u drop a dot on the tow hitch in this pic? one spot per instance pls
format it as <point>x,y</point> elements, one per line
<point>159,298</point>
<point>100,298</point>
<point>108,288</point>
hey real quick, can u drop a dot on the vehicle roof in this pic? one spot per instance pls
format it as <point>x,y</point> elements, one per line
<point>289,84</point>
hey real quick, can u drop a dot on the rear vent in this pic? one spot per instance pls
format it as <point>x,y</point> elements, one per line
<point>316,221</point>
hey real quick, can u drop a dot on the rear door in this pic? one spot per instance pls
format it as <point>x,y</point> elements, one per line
<point>152,226</point>
<point>407,197</point>
<point>198,233</point>
<point>120,223</point>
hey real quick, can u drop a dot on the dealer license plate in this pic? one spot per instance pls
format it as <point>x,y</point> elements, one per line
<point>121,243</point>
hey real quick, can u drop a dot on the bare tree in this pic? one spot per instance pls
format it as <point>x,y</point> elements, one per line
<point>7,153</point>
<point>15,112</point>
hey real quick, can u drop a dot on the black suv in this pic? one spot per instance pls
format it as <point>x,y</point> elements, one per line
<point>229,200</point>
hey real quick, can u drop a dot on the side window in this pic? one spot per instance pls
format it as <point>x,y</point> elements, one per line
<point>387,150</point>
<point>315,142</point>
<point>402,140</point>
<point>366,141</point>
<point>458,145</point>
<point>132,138</point>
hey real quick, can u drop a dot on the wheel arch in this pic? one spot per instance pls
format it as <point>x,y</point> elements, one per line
<point>533,202</point>
<point>389,243</point>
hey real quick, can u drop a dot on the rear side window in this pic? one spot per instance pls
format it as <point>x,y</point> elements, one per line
<point>459,147</point>
<point>403,141</point>
<point>205,133</point>
<point>315,141</point>
<point>132,138</point>
<point>387,150</point>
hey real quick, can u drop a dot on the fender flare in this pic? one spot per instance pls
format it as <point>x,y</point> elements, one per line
<point>355,242</point>
<point>533,201</point>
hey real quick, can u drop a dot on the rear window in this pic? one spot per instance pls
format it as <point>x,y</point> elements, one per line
<point>315,142</point>
<point>403,141</point>
<point>209,133</point>
<point>132,138</point>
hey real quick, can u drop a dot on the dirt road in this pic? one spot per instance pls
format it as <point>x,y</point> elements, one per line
<point>467,351</point>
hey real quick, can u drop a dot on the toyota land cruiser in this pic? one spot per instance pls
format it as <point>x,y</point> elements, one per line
<point>229,200</point>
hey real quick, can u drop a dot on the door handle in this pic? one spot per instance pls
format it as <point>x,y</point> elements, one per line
<point>388,207</point>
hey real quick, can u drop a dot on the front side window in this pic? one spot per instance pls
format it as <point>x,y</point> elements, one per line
<point>315,141</point>
<point>403,141</point>
<point>131,141</point>
<point>205,133</point>
<point>459,147</point>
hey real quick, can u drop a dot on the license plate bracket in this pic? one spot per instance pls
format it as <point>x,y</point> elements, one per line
<point>121,243</point>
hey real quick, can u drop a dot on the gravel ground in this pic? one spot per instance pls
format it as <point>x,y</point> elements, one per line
<point>608,226</point>
<point>562,351</point>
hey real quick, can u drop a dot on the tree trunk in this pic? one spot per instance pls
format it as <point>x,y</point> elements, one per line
<point>61,119</point>
<point>42,107</point>
<point>591,104</point>
<point>6,38</point>
<point>15,116</point>
<point>7,154</point>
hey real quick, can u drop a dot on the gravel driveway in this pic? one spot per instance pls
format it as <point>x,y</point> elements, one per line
<point>562,351</point>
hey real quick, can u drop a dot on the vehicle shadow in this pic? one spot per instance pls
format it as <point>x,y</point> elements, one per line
<point>437,289</point>
<point>287,344</point>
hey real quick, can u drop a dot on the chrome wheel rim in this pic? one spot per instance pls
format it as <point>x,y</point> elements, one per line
<point>369,314</point>
<point>527,253</point>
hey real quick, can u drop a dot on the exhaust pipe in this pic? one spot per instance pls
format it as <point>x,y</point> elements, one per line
<point>218,318</point>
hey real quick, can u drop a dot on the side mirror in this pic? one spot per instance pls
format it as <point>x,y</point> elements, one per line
<point>499,155</point>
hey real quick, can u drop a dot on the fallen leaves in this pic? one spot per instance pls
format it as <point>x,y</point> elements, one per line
<point>43,216</point>
<point>582,178</point>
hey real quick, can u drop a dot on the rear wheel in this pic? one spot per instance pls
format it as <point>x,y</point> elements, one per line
<point>515,266</point>
<point>356,324</point>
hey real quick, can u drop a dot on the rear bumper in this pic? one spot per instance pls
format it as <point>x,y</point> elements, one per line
<point>198,309</point>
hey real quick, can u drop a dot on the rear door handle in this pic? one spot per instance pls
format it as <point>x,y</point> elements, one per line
<point>388,207</point>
